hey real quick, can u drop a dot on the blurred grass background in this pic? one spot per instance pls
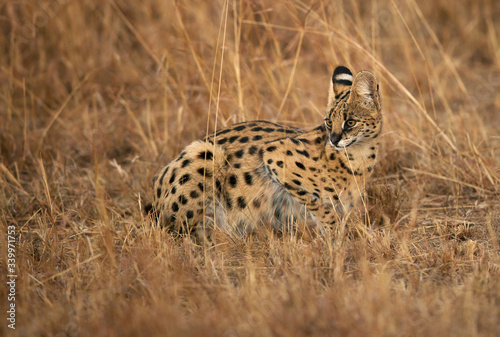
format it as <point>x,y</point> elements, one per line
<point>97,96</point>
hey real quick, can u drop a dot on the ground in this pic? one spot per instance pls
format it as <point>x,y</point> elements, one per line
<point>96,97</point>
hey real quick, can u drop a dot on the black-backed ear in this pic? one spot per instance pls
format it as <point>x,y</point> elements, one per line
<point>365,90</point>
<point>341,83</point>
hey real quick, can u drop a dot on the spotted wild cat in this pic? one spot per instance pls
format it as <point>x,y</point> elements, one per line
<point>260,173</point>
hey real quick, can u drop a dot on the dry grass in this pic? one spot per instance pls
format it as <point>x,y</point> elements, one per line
<point>97,96</point>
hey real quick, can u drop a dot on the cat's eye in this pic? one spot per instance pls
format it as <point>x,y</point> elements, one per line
<point>328,123</point>
<point>350,123</point>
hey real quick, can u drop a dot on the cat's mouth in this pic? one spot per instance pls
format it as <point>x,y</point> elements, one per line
<point>342,145</point>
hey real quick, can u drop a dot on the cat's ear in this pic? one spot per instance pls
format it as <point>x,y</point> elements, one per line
<point>340,84</point>
<point>365,90</point>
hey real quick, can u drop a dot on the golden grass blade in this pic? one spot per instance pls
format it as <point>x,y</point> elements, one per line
<point>437,176</point>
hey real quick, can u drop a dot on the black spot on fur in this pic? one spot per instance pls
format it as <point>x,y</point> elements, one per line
<point>239,153</point>
<point>218,185</point>
<point>204,172</point>
<point>184,179</point>
<point>268,130</point>
<point>163,175</point>
<point>201,187</point>
<point>257,137</point>
<point>248,178</point>
<point>329,189</point>
<point>332,156</point>
<point>279,163</point>
<point>194,194</point>
<point>356,173</point>
<point>148,208</point>
<point>256,129</point>
<point>271,148</point>
<point>172,177</point>
<point>222,141</point>
<point>175,207</point>
<point>185,163</point>
<point>301,192</point>
<point>269,161</point>
<point>180,156</point>
<point>303,140</point>
<point>304,153</point>
<point>207,155</point>
<point>296,182</point>
<point>189,214</point>
<point>239,128</point>
<point>233,181</point>
<point>174,189</point>
<point>219,133</point>
<point>183,199</point>
<point>241,202</point>
<point>295,141</point>
<point>237,165</point>
<point>229,201</point>
<point>318,140</point>
<point>244,140</point>
<point>233,138</point>
<point>300,165</point>
<point>253,149</point>
<point>158,192</point>
<point>289,153</point>
<point>256,203</point>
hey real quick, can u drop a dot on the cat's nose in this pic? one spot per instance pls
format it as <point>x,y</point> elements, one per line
<point>335,138</point>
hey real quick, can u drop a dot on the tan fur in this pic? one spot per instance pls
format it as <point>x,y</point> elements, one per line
<point>260,173</point>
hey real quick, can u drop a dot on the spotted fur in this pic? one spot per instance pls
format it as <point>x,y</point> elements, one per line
<point>261,173</point>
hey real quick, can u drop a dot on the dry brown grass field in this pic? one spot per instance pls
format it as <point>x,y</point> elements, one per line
<point>96,96</point>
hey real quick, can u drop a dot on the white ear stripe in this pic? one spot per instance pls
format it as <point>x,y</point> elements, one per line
<point>344,76</point>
